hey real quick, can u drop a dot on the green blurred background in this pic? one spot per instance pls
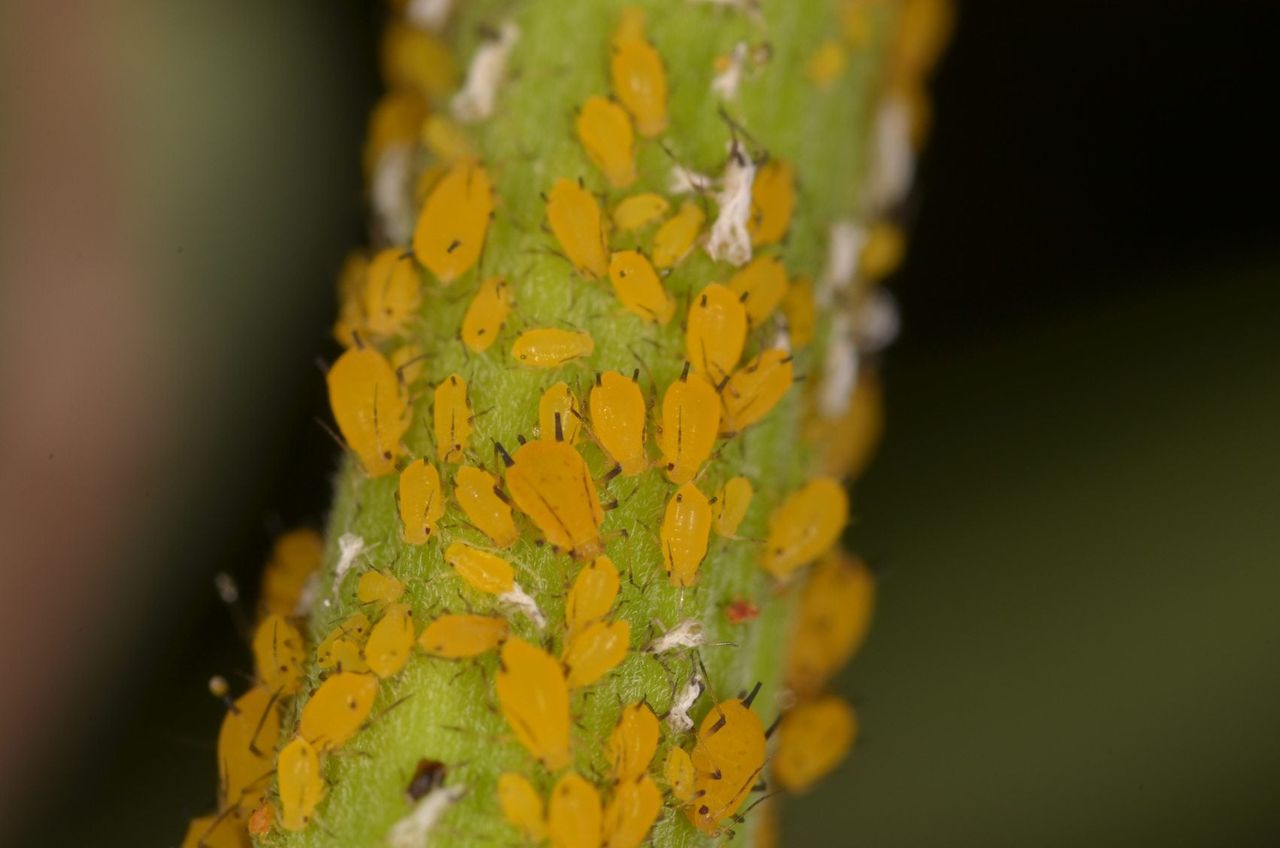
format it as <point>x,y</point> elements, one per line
<point>1074,508</point>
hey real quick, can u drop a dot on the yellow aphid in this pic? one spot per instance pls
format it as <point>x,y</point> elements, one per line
<point>801,313</point>
<point>486,314</point>
<point>390,642</point>
<point>633,742</point>
<point>369,405</point>
<point>677,235</point>
<point>548,347</point>
<point>246,748</point>
<point>690,423</point>
<point>856,22</point>
<point>832,622</point>
<point>350,298</point>
<point>392,293</point>
<point>773,199</point>
<point>639,210</point>
<point>418,60</point>
<point>922,31</point>
<point>262,819</point>
<point>574,216</point>
<point>728,759</point>
<point>617,418</point>
<point>827,64</point>
<point>605,133</point>
<point>550,482</point>
<point>805,525</point>
<point>846,444</point>
<point>410,362</point>
<point>378,588</point>
<point>631,812</point>
<point>301,785</point>
<point>574,816</point>
<point>296,556</point>
<point>460,636</point>
<point>337,709</point>
<point>452,226</point>
<point>485,572</point>
<point>686,527</point>
<point>395,120</point>
<point>812,740</point>
<point>451,416</point>
<point>638,288</point>
<point>341,649</point>
<point>883,251</point>
<point>476,491</point>
<point>278,654</point>
<point>446,139</point>
<point>677,771</point>
<point>594,651</point>
<point>716,332</point>
<point>638,77</point>
<point>421,501</point>
<point>522,806</point>
<point>731,505</point>
<point>592,594</point>
<point>762,283</point>
<point>559,401</point>
<point>221,831</point>
<point>755,389</point>
<point>535,701</point>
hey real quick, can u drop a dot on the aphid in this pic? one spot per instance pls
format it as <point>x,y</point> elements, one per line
<point>678,716</point>
<point>421,501</point>
<point>604,129</point>
<point>755,389</point>
<point>827,64</point>
<point>688,633</point>
<point>686,527</point>
<point>559,401</point>
<point>417,60</point>
<point>798,307</point>
<point>278,654</point>
<point>548,347</point>
<point>410,362</point>
<point>762,284</point>
<point>639,79</point>
<point>592,594</point>
<point>883,251</point>
<point>690,424</point>
<point>675,238</point>
<point>301,785</point>
<point>522,806</point>
<point>376,587</point>
<point>479,94</point>
<point>428,776</point>
<point>773,199</point>
<point>535,701</point>
<point>453,223</point>
<point>617,418</point>
<point>847,443</point>
<point>452,419</point>
<point>447,141</point>
<point>337,709</point>
<point>369,405</point>
<point>730,506</point>
<point>350,320</point>
<point>631,813</point>
<point>350,547</point>
<point>638,210</point>
<point>261,820</point>
<point>633,742</point>
<point>727,761</point>
<point>812,740</point>
<point>341,649</point>
<point>246,748</point>
<point>390,641</point>
<point>493,575</point>
<point>594,651</point>
<point>741,610</point>
<point>550,482</point>
<point>461,636</point>
<point>638,288</point>
<point>476,491</point>
<point>805,525</point>
<point>678,774</point>
<point>832,621</point>
<point>574,816</point>
<point>413,830</point>
<point>716,332</point>
<point>392,293</point>
<point>486,314</point>
<point>574,216</point>
<point>295,560</point>
<point>218,831</point>
<point>729,240</point>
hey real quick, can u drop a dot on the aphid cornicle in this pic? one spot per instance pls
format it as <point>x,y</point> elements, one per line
<point>551,483</point>
<point>731,504</point>
<point>369,406</point>
<point>549,347</point>
<point>390,641</point>
<point>476,491</point>
<point>341,648</point>
<point>631,813</point>
<point>604,129</point>
<point>278,654</point>
<point>728,759</point>
<point>301,785</point>
<point>454,221</point>
<point>638,77</point>
<point>455,637</point>
<point>805,525</point>
<point>755,389</point>
<point>376,587</point>
<point>486,314</point>
<point>337,709</point>
<point>392,293</point>
<point>677,235</point>
<point>246,746</point>
<point>812,740</point>
<point>832,621</point>
<point>522,806</point>
<point>633,742</point>
<point>574,816</point>
<point>560,401</point>
<point>594,651</point>
<point>638,288</point>
<point>686,528</point>
<point>421,497</point>
<point>535,701</point>
<point>574,216</point>
<point>773,199</point>
<point>762,284</point>
<point>617,419</point>
<point>677,771</point>
<point>295,559</point>
<point>690,424</point>
<point>452,419</point>
<point>639,210</point>
<point>592,594</point>
<point>716,332</point>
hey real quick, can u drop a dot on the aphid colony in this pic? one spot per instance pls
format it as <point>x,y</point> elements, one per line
<point>472,509</point>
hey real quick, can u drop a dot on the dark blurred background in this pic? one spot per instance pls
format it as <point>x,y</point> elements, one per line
<point>1075,503</point>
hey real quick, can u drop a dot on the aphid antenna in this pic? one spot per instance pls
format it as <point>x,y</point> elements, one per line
<point>734,129</point>
<point>741,817</point>
<point>342,446</point>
